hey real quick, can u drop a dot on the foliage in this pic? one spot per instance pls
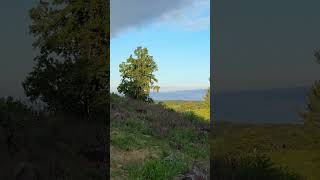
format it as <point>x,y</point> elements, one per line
<point>138,75</point>
<point>71,73</point>
<point>312,115</point>
<point>12,112</point>
<point>10,105</point>
<point>207,98</point>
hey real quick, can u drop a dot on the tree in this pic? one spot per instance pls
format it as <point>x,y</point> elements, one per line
<point>207,97</point>
<point>138,75</point>
<point>71,72</point>
<point>312,115</point>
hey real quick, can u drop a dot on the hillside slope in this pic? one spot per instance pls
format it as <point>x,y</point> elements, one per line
<point>149,141</point>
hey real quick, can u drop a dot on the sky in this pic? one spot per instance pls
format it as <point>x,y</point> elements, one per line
<point>265,44</point>
<point>158,29</point>
<point>257,44</point>
<point>176,33</point>
<point>16,50</point>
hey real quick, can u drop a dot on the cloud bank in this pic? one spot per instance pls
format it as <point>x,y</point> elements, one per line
<point>186,14</point>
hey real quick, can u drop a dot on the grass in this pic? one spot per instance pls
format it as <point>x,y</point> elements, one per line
<point>157,169</point>
<point>154,141</point>
<point>294,148</point>
<point>284,151</point>
<point>197,107</point>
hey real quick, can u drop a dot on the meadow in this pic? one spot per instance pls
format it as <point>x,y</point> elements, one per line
<point>197,107</point>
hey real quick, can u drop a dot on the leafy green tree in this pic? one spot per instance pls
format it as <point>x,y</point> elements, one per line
<point>207,97</point>
<point>71,72</point>
<point>138,75</point>
<point>312,115</point>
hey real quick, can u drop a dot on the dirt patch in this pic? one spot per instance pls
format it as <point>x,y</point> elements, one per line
<point>119,158</point>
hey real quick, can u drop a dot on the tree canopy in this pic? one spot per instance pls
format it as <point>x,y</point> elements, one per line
<point>71,71</point>
<point>138,75</point>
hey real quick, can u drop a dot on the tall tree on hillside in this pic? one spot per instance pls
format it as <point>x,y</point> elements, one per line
<point>71,71</point>
<point>312,115</point>
<point>138,75</point>
<point>207,97</point>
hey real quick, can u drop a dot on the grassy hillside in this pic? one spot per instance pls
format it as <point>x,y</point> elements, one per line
<point>150,141</point>
<point>295,148</point>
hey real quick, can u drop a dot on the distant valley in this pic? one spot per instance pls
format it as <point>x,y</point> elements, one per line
<point>186,95</point>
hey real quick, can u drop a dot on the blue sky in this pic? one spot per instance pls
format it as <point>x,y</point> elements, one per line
<point>178,40</point>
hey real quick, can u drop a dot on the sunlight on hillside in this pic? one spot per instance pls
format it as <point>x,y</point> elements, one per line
<point>197,107</point>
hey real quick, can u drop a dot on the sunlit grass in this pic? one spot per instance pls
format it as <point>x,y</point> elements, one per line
<point>198,107</point>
